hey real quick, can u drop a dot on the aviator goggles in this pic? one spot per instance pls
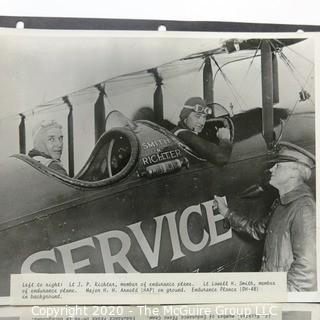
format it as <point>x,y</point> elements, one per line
<point>199,109</point>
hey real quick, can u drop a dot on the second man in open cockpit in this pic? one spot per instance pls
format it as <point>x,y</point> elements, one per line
<point>192,120</point>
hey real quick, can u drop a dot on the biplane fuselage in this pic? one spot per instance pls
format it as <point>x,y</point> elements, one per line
<point>155,214</point>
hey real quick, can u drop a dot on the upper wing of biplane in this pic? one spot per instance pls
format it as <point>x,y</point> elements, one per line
<point>157,93</point>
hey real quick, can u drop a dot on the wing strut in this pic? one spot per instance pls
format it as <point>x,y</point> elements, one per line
<point>99,113</point>
<point>22,134</point>
<point>267,93</point>
<point>275,78</point>
<point>157,96</point>
<point>70,137</point>
<point>208,83</point>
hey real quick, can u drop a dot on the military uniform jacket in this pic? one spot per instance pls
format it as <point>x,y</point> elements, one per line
<point>290,237</point>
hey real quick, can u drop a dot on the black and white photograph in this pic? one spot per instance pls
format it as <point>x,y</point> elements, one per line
<point>126,152</point>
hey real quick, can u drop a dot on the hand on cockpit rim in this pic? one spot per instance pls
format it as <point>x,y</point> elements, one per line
<point>222,205</point>
<point>223,133</point>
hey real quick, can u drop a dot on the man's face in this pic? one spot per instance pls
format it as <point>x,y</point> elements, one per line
<point>281,172</point>
<point>195,121</point>
<point>54,143</point>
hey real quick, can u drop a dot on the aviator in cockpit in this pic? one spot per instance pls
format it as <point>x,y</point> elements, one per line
<point>193,117</point>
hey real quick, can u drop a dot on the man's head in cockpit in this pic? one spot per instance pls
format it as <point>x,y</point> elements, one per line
<point>194,114</point>
<point>48,138</point>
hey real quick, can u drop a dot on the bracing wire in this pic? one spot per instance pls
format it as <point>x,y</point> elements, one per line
<point>294,51</point>
<point>297,101</point>
<point>185,94</point>
<point>173,110</point>
<point>250,67</point>
<point>289,64</point>
<point>291,68</point>
<point>306,80</point>
<point>230,85</point>
<point>170,66</point>
<point>251,62</point>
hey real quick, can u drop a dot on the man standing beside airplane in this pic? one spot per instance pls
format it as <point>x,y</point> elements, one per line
<point>192,120</point>
<point>289,229</point>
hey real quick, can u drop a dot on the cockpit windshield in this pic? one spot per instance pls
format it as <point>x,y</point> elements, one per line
<point>111,156</point>
<point>115,119</point>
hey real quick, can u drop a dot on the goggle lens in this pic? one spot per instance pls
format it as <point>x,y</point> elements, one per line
<point>200,109</point>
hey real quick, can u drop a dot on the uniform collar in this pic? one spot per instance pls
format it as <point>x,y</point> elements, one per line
<point>300,191</point>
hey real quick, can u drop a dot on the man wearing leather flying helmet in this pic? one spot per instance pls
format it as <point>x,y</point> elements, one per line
<point>289,229</point>
<point>192,120</point>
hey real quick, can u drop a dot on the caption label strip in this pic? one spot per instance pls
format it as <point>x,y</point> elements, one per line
<point>44,289</point>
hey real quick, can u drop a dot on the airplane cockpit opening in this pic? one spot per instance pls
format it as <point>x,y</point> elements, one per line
<point>113,158</point>
<point>131,150</point>
<point>221,118</point>
<point>114,154</point>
